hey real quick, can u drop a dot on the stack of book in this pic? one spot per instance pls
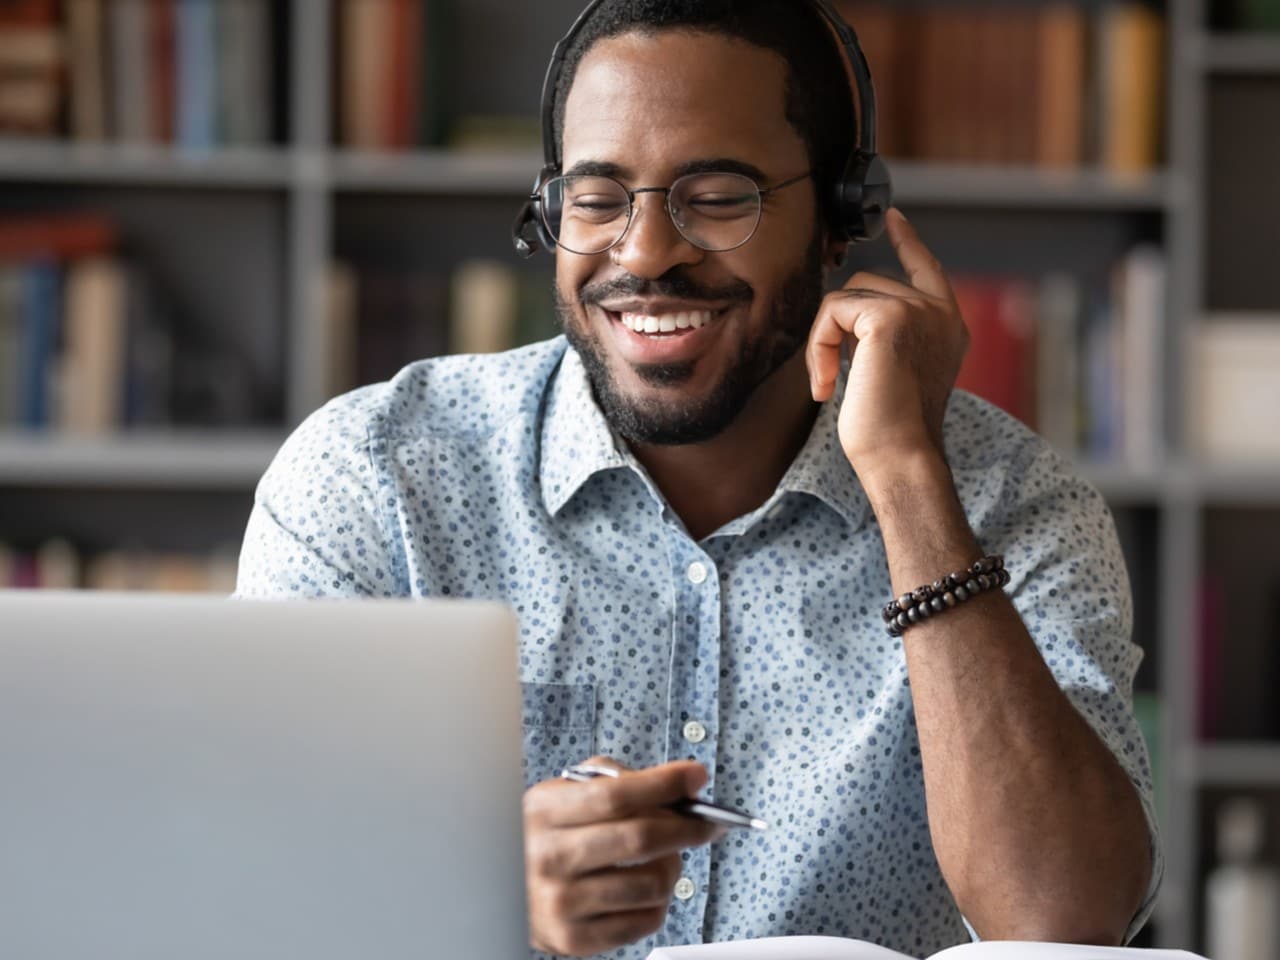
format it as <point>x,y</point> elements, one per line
<point>393,70</point>
<point>87,341</point>
<point>59,565</point>
<point>1080,366</point>
<point>377,320</point>
<point>195,73</point>
<point>1058,86</point>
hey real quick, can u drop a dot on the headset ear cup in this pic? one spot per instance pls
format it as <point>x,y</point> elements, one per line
<point>863,197</point>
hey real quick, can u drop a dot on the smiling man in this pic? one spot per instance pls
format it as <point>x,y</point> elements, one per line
<point>701,513</point>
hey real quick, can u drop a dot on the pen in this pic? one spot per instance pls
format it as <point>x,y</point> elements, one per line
<point>711,812</point>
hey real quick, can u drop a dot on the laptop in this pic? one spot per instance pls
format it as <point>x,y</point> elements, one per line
<point>205,778</point>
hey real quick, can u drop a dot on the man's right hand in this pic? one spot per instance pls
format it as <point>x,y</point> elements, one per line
<point>602,857</point>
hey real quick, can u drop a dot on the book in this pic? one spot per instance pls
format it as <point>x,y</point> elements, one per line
<point>1131,41</point>
<point>1234,387</point>
<point>1001,363</point>
<point>242,30</point>
<point>88,68</point>
<point>37,342</point>
<point>10,363</point>
<point>1259,14</point>
<point>338,332</point>
<point>32,61</point>
<point>1058,362</point>
<point>366,79</point>
<point>55,236</point>
<point>836,948</point>
<point>197,75</point>
<point>485,308</point>
<point>1140,298</point>
<point>131,81</point>
<point>94,348</point>
<point>1061,86</point>
<point>162,56</point>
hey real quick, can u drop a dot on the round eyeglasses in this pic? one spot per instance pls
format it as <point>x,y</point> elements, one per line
<point>716,212</point>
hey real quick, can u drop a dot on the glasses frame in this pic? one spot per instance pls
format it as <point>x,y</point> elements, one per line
<point>761,194</point>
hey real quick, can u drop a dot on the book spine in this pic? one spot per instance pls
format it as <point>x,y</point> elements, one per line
<point>131,80</point>
<point>94,347</point>
<point>87,61</point>
<point>10,340</point>
<point>1132,38</point>
<point>1063,33</point>
<point>162,69</point>
<point>485,308</point>
<point>39,337</point>
<point>196,74</point>
<point>1143,275</point>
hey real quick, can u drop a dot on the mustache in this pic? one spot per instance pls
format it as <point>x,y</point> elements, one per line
<point>673,285</point>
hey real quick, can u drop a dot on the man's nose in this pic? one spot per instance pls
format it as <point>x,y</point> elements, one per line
<point>652,244</point>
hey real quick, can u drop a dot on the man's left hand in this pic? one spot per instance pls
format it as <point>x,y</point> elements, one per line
<point>907,343</point>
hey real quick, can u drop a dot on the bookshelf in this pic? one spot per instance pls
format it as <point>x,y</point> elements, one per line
<point>275,215</point>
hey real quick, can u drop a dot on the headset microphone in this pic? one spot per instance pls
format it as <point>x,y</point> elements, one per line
<point>858,202</point>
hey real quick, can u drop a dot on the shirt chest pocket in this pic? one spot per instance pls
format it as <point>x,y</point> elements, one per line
<point>559,721</point>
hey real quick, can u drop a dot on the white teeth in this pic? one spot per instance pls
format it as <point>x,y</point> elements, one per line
<point>669,323</point>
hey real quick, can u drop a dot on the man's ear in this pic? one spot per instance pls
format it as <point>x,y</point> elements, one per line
<point>835,252</point>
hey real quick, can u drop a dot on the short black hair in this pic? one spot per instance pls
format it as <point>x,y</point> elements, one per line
<point>819,95</point>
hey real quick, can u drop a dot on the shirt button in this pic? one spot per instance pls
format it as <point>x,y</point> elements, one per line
<point>695,732</point>
<point>697,572</point>
<point>685,889</point>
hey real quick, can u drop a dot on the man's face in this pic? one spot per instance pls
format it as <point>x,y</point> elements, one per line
<point>645,109</point>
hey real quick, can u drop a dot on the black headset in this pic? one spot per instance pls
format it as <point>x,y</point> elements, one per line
<point>858,201</point>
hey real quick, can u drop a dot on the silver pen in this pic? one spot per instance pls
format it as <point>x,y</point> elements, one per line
<point>700,809</point>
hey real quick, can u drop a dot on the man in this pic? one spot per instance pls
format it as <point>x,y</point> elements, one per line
<point>699,515</point>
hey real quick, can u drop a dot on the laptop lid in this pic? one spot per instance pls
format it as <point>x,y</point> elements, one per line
<point>204,778</point>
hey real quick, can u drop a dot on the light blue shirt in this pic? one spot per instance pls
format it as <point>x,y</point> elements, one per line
<point>758,651</point>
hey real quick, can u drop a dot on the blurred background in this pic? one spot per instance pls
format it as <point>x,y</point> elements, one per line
<point>217,214</point>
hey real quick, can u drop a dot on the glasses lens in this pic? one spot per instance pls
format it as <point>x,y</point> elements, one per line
<point>716,211</point>
<point>586,215</point>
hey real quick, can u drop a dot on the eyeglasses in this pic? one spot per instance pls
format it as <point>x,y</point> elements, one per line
<point>716,212</point>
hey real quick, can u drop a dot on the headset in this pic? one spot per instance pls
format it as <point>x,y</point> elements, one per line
<point>858,201</point>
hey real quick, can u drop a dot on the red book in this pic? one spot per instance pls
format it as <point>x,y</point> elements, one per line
<point>1001,363</point>
<point>28,13</point>
<point>57,238</point>
<point>160,43</point>
<point>405,62</point>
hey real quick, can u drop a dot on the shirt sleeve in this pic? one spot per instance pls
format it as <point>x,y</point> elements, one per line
<point>1071,587</point>
<point>316,529</point>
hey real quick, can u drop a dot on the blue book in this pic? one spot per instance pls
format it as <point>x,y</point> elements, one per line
<point>196,75</point>
<point>37,342</point>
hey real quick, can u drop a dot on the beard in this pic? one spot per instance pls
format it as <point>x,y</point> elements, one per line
<point>687,420</point>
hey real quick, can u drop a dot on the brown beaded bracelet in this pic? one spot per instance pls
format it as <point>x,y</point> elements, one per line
<point>941,595</point>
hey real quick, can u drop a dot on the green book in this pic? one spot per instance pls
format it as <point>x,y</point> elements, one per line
<point>1260,14</point>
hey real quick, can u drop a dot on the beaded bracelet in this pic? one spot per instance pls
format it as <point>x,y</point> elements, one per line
<point>941,595</point>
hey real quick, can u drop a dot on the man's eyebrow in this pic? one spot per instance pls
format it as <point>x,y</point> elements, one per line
<point>722,165</point>
<point>595,168</point>
<point>604,168</point>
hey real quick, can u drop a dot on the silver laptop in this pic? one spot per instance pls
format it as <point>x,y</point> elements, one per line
<point>192,778</point>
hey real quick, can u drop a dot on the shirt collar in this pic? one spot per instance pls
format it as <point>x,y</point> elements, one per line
<point>578,443</point>
<point>822,470</point>
<point>576,440</point>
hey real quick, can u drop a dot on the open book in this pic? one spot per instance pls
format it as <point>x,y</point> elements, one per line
<point>836,948</point>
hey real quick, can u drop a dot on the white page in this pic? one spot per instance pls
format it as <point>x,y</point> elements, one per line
<point>836,948</point>
<point>1016,950</point>
<point>780,948</point>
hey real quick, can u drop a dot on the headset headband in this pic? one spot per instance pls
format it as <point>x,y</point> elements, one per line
<point>857,61</point>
